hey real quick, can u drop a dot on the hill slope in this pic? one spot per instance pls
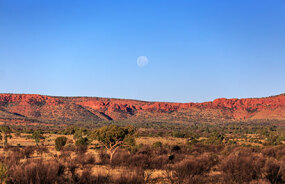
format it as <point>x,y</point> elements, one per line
<point>39,108</point>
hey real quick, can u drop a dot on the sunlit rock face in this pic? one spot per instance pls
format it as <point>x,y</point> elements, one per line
<point>27,107</point>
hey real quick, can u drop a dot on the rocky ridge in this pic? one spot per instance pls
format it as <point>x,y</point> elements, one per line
<point>30,107</point>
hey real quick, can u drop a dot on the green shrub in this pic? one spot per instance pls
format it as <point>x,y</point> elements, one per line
<point>60,143</point>
<point>37,135</point>
<point>82,145</point>
<point>215,138</point>
<point>178,134</point>
<point>83,141</point>
<point>273,140</point>
<point>157,144</point>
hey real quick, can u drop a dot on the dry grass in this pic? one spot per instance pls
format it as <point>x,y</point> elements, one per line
<point>97,170</point>
<point>184,158</point>
<point>164,140</point>
<point>24,140</point>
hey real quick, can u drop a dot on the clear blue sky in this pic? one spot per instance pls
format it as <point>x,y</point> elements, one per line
<point>198,50</point>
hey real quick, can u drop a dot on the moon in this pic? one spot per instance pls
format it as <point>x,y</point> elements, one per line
<point>142,61</point>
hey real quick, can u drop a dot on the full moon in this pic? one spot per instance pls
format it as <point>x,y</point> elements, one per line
<point>142,61</point>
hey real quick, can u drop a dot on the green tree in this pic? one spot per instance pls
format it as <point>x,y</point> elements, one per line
<point>60,142</point>
<point>38,135</point>
<point>112,137</point>
<point>5,134</point>
<point>77,132</point>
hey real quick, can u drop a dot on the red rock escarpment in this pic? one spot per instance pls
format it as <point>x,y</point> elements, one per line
<point>57,109</point>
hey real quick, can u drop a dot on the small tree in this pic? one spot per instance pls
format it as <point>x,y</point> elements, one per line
<point>82,145</point>
<point>60,143</point>
<point>112,137</point>
<point>38,135</point>
<point>83,141</point>
<point>5,134</point>
<point>78,133</point>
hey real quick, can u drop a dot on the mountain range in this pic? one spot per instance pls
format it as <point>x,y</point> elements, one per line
<point>33,108</point>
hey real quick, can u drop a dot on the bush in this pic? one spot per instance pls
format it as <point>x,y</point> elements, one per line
<point>41,149</point>
<point>70,148</point>
<point>144,158</point>
<point>192,169</point>
<point>130,178</point>
<point>175,148</point>
<point>36,172</point>
<point>81,149</point>
<point>178,134</point>
<point>85,159</point>
<point>157,144</point>
<point>273,171</point>
<point>37,135</point>
<point>104,157</point>
<point>3,173</point>
<point>87,178</point>
<point>12,158</point>
<point>273,140</point>
<point>81,145</point>
<point>215,138</point>
<point>242,166</point>
<point>28,151</point>
<point>60,143</point>
<point>83,141</point>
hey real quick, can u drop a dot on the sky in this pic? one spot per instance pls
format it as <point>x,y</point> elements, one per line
<point>175,51</point>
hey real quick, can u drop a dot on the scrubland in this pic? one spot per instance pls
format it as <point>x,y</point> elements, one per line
<point>198,154</point>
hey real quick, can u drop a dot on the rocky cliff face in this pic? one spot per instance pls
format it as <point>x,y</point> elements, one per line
<point>22,107</point>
